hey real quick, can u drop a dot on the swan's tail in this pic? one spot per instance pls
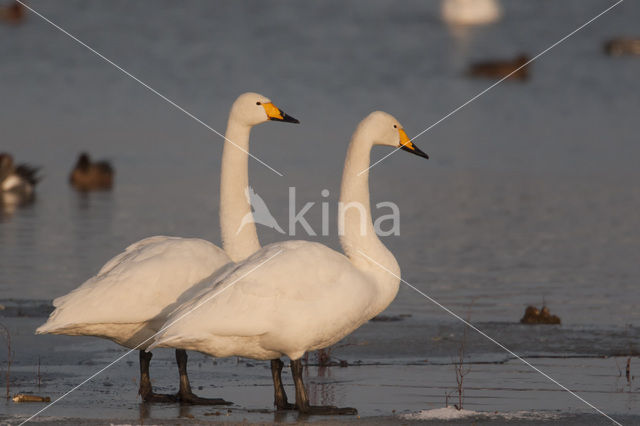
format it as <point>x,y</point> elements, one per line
<point>48,328</point>
<point>56,325</point>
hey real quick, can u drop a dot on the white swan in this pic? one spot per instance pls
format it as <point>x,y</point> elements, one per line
<point>126,300</point>
<point>470,12</point>
<point>297,296</point>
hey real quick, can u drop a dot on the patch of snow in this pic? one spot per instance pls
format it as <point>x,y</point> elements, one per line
<point>451,413</point>
<point>526,415</point>
<point>446,413</point>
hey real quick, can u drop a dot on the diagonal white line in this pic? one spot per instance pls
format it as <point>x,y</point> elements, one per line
<point>146,340</point>
<point>146,86</point>
<point>498,82</point>
<point>468,324</point>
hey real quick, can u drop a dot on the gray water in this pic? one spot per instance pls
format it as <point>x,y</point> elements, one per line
<point>531,192</point>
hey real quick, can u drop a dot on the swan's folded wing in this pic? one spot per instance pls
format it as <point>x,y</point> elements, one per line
<point>294,271</point>
<point>137,284</point>
<point>281,284</point>
<point>136,249</point>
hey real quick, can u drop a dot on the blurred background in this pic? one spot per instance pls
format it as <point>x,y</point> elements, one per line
<point>531,191</point>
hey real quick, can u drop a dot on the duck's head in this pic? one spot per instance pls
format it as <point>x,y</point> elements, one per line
<point>522,59</point>
<point>252,109</point>
<point>384,129</point>
<point>6,165</point>
<point>83,161</point>
<point>6,160</point>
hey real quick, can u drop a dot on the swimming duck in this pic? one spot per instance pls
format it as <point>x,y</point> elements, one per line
<point>89,176</point>
<point>21,179</point>
<point>622,46</point>
<point>533,315</point>
<point>501,68</point>
<point>13,13</point>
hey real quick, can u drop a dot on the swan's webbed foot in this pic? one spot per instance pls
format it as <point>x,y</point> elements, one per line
<point>302,400</point>
<point>158,397</point>
<point>185,396</point>
<point>285,406</point>
<point>193,399</point>
<point>146,390</point>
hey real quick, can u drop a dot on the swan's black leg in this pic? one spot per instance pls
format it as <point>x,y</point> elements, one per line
<point>185,396</point>
<point>145,390</point>
<point>302,400</point>
<point>280,396</point>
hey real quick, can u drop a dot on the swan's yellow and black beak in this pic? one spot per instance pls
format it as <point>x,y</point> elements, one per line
<point>274,113</point>
<point>407,145</point>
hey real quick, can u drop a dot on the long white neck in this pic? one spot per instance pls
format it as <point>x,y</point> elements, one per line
<point>234,205</point>
<point>358,238</point>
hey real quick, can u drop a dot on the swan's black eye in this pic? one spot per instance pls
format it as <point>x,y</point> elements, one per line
<point>258,103</point>
<point>395,127</point>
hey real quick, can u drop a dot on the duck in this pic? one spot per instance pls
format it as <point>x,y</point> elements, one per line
<point>533,315</point>
<point>13,13</point>
<point>547,318</point>
<point>296,296</point>
<point>470,12</point>
<point>622,46</point>
<point>20,179</point>
<point>126,301</point>
<point>502,68</point>
<point>90,176</point>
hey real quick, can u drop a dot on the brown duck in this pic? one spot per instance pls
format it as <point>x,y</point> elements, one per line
<point>501,69</point>
<point>89,176</point>
<point>622,46</point>
<point>533,315</point>
<point>13,13</point>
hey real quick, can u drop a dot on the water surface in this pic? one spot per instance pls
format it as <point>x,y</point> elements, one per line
<point>531,193</point>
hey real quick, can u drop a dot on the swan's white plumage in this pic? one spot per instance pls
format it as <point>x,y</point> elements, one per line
<point>134,287</point>
<point>297,286</point>
<point>132,293</point>
<point>296,296</point>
